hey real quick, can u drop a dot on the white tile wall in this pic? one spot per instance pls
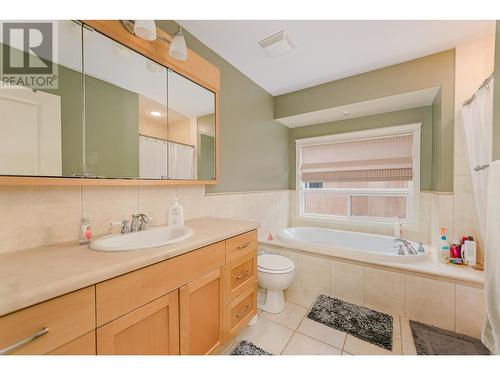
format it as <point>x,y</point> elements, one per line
<point>440,303</point>
<point>430,301</point>
<point>269,208</point>
<point>40,215</point>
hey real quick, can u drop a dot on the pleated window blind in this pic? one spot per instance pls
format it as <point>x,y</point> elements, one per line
<point>376,159</point>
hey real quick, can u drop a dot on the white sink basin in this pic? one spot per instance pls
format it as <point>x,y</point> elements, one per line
<point>153,237</point>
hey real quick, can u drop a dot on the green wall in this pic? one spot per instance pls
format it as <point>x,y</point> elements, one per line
<point>496,98</point>
<point>70,91</point>
<point>206,157</point>
<point>253,147</point>
<point>437,70</point>
<point>111,130</point>
<point>422,114</point>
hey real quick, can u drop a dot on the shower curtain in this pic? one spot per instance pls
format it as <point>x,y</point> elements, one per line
<point>478,126</point>
<point>485,178</point>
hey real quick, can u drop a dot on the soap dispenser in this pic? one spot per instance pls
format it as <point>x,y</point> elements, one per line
<point>176,215</point>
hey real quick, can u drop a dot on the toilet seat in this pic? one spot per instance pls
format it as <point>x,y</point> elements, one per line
<point>272,263</point>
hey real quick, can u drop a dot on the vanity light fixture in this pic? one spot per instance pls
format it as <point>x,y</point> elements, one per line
<point>146,30</point>
<point>155,113</point>
<point>178,48</point>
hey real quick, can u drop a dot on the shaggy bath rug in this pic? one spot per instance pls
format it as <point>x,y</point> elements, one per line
<point>247,348</point>
<point>364,323</point>
<point>431,340</point>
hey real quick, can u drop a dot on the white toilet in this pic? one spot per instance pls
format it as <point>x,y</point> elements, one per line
<point>274,273</point>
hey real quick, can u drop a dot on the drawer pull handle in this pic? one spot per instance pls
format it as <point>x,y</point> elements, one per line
<point>242,275</point>
<point>242,246</point>
<point>24,341</point>
<point>242,312</point>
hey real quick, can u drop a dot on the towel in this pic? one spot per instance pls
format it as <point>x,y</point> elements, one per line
<point>491,330</point>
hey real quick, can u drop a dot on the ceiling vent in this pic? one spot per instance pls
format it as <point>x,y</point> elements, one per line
<point>277,44</point>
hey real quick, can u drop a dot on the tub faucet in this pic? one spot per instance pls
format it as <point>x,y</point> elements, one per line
<point>410,250</point>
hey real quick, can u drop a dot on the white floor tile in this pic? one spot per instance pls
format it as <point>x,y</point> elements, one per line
<point>409,348</point>
<point>303,345</point>
<point>268,335</point>
<point>322,333</point>
<point>290,317</point>
<point>406,334</point>
<point>354,345</point>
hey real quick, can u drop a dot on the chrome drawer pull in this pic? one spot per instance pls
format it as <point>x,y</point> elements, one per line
<point>242,246</point>
<point>243,311</point>
<point>242,275</point>
<point>24,341</point>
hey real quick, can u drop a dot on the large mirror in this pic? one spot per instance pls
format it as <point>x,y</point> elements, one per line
<point>125,101</point>
<point>41,127</point>
<point>114,114</point>
<point>191,129</point>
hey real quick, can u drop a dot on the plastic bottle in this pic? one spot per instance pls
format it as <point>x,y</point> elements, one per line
<point>444,247</point>
<point>85,230</point>
<point>176,215</point>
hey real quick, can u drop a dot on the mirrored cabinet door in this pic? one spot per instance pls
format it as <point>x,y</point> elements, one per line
<point>125,112</point>
<point>191,130</point>
<point>41,131</point>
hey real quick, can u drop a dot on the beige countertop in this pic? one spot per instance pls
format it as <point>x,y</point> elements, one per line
<point>34,275</point>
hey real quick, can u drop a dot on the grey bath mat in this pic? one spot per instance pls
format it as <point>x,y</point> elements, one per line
<point>247,348</point>
<point>361,322</point>
<point>431,340</point>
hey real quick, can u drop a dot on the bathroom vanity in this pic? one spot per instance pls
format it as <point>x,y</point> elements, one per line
<point>185,298</point>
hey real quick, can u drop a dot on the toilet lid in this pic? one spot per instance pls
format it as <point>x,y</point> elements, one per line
<point>274,262</point>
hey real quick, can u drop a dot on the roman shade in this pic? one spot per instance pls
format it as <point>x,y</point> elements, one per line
<point>374,159</point>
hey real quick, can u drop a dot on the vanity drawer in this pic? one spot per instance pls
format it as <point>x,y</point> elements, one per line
<point>49,325</point>
<point>125,293</point>
<point>241,246</point>
<point>239,311</point>
<point>239,275</point>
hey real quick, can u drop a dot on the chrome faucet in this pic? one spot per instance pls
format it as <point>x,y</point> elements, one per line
<point>139,222</point>
<point>410,250</point>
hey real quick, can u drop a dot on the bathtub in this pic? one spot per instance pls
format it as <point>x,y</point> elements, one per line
<point>344,244</point>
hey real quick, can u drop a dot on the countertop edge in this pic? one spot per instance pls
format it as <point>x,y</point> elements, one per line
<point>80,281</point>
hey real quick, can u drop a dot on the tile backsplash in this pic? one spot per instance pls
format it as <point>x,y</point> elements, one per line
<point>38,215</point>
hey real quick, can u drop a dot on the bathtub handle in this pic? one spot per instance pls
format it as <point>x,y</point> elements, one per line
<point>242,246</point>
<point>242,275</point>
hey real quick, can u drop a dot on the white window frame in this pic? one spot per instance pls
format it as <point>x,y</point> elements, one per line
<point>413,206</point>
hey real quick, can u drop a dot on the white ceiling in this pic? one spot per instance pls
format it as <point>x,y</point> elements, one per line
<point>407,100</point>
<point>329,50</point>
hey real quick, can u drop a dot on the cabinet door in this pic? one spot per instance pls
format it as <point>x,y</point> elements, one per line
<point>150,329</point>
<point>201,312</point>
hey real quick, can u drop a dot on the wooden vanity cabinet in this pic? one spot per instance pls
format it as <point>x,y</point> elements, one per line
<point>150,329</point>
<point>201,303</point>
<point>189,304</point>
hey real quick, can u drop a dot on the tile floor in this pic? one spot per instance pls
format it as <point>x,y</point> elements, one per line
<point>292,333</point>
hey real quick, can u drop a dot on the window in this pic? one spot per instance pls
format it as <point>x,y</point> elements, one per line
<point>367,176</point>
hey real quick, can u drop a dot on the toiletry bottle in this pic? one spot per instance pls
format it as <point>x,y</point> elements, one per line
<point>470,252</point>
<point>444,247</point>
<point>85,230</point>
<point>176,215</point>
<point>455,250</point>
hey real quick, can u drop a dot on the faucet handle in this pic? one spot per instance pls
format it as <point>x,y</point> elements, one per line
<point>124,223</point>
